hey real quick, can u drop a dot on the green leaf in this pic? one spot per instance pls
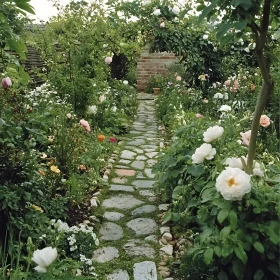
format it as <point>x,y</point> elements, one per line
<point>240,253</point>
<point>222,276</point>
<point>167,216</point>
<point>258,275</point>
<point>207,10</point>
<point>195,170</point>
<point>238,269</point>
<point>218,251</point>
<point>259,247</point>
<point>26,7</point>
<point>225,232</point>
<point>272,230</point>
<point>245,4</point>
<point>206,195</point>
<point>227,250</point>
<point>232,219</point>
<point>226,39</point>
<point>208,255</point>
<point>206,233</point>
<point>222,215</point>
<point>240,25</point>
<point>222,29</point>
<point>17,46</point>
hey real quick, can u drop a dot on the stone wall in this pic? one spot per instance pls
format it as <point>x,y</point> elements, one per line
<point>150,64</point>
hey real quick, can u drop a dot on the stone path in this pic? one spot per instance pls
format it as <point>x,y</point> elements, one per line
<point>129,246</point>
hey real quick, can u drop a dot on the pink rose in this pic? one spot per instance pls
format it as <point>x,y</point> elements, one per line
<point>178,78</point>
<point>264,121</point>
<point>246,137</point>
<point>113,140</point>
<point>227,83</point>
<point>198,115</point>
<point>108,60</point>
<point>85,125</point>
<point>6,82</point>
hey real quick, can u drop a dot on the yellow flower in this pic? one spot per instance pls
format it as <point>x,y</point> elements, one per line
<point>37,208</point>
<point>202,77</point>
<point>54,169</point>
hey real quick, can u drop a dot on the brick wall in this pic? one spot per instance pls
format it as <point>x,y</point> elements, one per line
<point>150,64</point>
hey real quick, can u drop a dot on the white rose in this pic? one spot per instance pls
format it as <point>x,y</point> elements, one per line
<point>233,183</point>
<point>205,37</point>
<point>225,108</point>
<point>125,82</point>
<point>218,95</point>
<point>176,10</point>
<point>44,258</point>
<point>92,110</point>
<point>212,133</point>
<point>205,151</point>
<point>156,12</point>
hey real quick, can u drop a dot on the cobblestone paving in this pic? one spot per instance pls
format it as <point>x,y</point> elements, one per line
<point>130,230</point>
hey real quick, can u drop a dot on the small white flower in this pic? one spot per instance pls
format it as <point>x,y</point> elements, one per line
<point>102,98</point>
<point>176,10</point>
<point>156,12</point>
<point>233,183</point>
<point>247,50</point>
<point>205,151</point>
<point>225,108</point>
<point>213,133</point>
<point>205,37</point>
<point>92,110</point>
<point>114,109</point>
<point>218,95</point>
<point>125,82</point>
<point>44,258</point>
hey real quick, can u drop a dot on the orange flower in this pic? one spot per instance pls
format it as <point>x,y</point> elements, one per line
<point>43,173</point>
<point>100,137</point>
<point>83,167</point>
<point>54,169</point>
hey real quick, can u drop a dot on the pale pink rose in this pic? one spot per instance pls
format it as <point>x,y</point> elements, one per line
<point>6,82</point>
<point>162,24</point>
<point>198,115</point>
<point>178,78</point>
<point>246,137</point>
<point>264,121</point>
<point>69,116</point>
<point>227,83</point>
<point>85,125</point>
<point>108,60</point>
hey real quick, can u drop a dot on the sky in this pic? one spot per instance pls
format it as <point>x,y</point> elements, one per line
<point>44,9</point>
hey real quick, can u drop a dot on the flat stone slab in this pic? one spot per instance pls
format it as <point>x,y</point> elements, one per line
<point>163,207</point>
<point>121,201</point>
<point>147,193</point>
<point>113,216</point>
<point>140,175</point>
<point>138,248</point>
<point>125,161</point>
<point>152,238</point>
<point>168,249</point>
<point>137,142</point>
<point>105,254</point>
<point>125,172</point>
<point>141,158</point>
<point>121,188</point>
<point>151,154</point>
<point>118,274</point>
<point>142,226</point>
<point>143,209</point>
<point>127,154</point>
<point>110,231</point>
<point>145,271</point>
<point>151,162</point>
<point>143,184</point>
<point>118,180</point>
<point>149,147</point>
<point>138,164</point>
<point>149,173</point>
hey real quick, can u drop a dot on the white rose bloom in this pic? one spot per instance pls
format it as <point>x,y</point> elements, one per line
<point>44,258</point>
<point>233,183</point>
<point>218,95</point>
<point>125,82</point>
<point>247,50</point>
<point>237,163</point>
<point>114,109</point>
<point>213,133</point>
<point>226,96</point>
<point>205,37</point>
<point>156,12</point>
<point>92,110</point>
<point>102,98</point>
<point>176,10</point>
<point>205,151</point>
<point>225,108</point>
